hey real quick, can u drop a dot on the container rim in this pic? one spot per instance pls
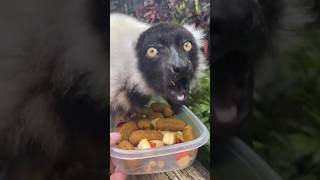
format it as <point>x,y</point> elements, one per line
<point>167,150</point>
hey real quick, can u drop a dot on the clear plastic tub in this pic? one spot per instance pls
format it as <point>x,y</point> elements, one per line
<point>167,158</point>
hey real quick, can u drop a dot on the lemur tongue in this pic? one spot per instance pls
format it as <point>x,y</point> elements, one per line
<point>180,97</point>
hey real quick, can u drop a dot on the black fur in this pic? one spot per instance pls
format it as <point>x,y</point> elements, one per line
<point>137,99</point>
<point>53,89</point>
<point>173,64</point>
<point>238,41</point>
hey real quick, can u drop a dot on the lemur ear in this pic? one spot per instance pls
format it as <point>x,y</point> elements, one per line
<point>197,33</point>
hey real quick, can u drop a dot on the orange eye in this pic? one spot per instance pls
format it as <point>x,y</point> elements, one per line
<point>152,52</point>
<point>187,46</point>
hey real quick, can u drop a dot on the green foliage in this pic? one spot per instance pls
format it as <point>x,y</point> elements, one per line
<point>286,120</point>
<point>199,14</point>
<point>199,99</point>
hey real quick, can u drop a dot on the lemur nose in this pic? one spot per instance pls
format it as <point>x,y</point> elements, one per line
<point>179,69</point>
<point>178,64</point>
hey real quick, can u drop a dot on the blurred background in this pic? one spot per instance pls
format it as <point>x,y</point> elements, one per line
<point>195,12</point>
<point>280,137</point>
<point>285,124</point>
<point>267,59</point>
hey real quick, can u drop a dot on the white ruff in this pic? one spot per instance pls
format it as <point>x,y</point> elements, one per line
<point>199,35</point>
<point>124,74</point>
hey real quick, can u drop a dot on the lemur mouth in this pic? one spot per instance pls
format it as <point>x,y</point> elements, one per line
<point>178,90</point>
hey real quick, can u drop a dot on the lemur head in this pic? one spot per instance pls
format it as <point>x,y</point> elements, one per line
<point>169,58</point>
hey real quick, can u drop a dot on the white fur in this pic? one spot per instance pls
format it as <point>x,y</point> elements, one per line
<point>199,36</point>
<point>124,73</point>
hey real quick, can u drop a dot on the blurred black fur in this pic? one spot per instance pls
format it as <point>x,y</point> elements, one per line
<point>53,89</point>
<point>244,33</point>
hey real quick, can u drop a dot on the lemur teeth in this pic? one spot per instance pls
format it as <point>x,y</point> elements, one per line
<point>171,68</point>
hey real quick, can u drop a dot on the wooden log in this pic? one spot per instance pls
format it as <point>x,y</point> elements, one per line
<point>194,172</point>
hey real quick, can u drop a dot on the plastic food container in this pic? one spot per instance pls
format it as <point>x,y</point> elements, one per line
<point>163,159</point>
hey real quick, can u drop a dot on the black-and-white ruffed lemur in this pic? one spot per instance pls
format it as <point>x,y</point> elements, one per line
<point>162,59</point>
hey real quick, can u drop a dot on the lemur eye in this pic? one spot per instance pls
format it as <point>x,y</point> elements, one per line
<point>187,46</point>
<point>152,52</point>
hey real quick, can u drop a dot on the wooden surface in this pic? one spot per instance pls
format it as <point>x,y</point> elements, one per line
<point>195,172</point>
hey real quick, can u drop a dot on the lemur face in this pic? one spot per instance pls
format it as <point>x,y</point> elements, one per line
<point>167,58</point>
